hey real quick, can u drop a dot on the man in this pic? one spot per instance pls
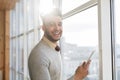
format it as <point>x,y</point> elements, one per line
<point>45,60</point>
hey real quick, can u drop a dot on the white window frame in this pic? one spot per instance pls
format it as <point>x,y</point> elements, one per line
<point>105,42</point>
<point>83,7</point>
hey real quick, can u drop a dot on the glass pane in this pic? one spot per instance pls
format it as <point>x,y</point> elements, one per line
<point>30,15</point>
<point>45,6</point>
<point>17,26</point>
<point>30,40</point>
<point>80,37</point>
<point>14,59</point>
<point>11,51</point>
<point>68,5</point>
<point>17,52</point>
<point>20,54</point>
<point>11,58</point>
<point>36,13</point>
<point>13,23</point>
<point>117,32</point>
<point>10,75</point>
<point>25,14</point>
<point>21,17</point>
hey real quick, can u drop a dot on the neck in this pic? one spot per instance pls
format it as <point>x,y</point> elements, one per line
<point>54,42</point>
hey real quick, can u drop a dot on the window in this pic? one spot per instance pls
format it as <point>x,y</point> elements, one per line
<point>117,38</point>
<point>25,32</point>
<point>30,15</point>
<point>80,37</point>
<point>21,16</point>
<point>30,39</point>
<point>71,5</point>
<point>20,55</point>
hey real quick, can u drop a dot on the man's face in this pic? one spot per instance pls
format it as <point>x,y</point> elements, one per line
<point>53,28</point>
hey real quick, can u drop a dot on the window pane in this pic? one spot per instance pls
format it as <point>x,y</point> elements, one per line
<point>14,23</point>
<point>20,55</point>
<point>45,6</point>
<point>11,24</point>
<point>30,14</point>
<point>71,4</point>
<point>21,17</point>
<point>17,26</point>
<point>11,58</point>
<point>17,52</point>
<point>117,32</point>
<point>80,37</point>
<point>30,40</point>
<point>14,59</point>
<point>36,13</point>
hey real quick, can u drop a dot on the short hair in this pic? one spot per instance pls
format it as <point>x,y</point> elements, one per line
<point>54,12</point>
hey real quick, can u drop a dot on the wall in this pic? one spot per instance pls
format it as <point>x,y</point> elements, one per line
<point>2,39</point>
<point>4,45</point>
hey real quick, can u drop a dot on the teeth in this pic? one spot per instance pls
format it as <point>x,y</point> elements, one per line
<point>56,32</point>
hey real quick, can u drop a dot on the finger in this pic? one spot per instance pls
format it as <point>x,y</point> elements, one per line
<point>88,64</point>
<point>89,61</point>
<point>84,64</point>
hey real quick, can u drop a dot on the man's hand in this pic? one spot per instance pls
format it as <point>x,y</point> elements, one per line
<point>82,71</point>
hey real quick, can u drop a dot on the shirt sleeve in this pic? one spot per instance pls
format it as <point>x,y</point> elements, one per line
<point>38,68</point>
<point>41,74</point>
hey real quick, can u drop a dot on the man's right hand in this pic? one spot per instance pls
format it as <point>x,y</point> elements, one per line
<point>82,71</point>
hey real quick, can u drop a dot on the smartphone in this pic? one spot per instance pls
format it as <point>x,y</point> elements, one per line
<point>91,54</point>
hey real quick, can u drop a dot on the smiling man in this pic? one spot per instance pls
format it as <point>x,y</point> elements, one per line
<point>45,62</point>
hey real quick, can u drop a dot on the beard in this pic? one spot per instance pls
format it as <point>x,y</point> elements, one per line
<point>50,37</point>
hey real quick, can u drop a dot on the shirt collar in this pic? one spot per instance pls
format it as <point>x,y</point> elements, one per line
<point>51,44</point>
